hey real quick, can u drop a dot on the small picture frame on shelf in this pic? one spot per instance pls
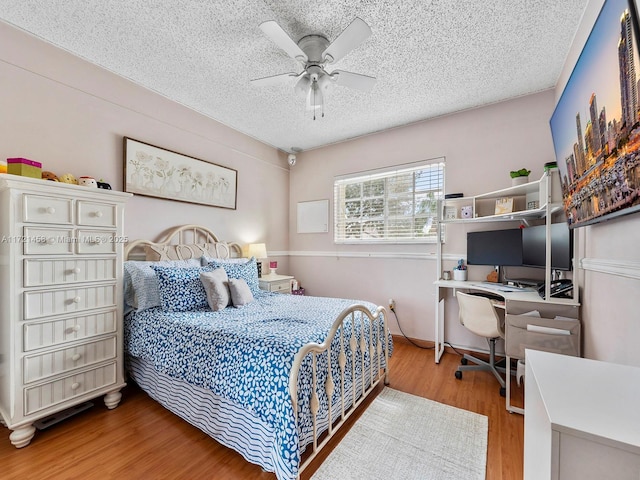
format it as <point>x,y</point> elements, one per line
<point>504,205</point>
<point>450,213</point>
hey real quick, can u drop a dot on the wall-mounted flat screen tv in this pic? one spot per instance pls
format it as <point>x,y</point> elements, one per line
<point>595,125</point>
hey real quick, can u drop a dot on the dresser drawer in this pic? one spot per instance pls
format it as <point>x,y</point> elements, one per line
<point>92,242</point>
<point>42,209</point>
<point>48,241</point>
<point>47,303</point>
<point>37,367</point>
<point>49,394</point>
<point>96,214</point>
<point>38,273</point>
<point>56,332</point>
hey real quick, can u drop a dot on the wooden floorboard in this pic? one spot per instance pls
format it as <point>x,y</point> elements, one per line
<point>140,439</point>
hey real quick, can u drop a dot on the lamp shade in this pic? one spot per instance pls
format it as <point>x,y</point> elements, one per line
<point>258,250</point>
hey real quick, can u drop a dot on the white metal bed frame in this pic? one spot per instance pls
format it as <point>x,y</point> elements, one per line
<point>377,345</point>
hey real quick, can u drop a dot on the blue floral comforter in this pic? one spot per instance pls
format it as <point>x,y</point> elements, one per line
<point>245,355</point>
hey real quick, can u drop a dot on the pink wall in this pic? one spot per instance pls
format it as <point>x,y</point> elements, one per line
<point>480,146</point>
<point>71,116</point>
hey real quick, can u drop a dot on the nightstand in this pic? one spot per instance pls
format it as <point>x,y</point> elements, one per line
<point>276,283</point>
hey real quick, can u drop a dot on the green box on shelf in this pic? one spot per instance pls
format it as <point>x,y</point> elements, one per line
<point>24,167</point>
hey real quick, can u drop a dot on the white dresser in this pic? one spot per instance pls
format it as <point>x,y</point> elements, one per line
<point>60,299</point>
<point>582,420</point>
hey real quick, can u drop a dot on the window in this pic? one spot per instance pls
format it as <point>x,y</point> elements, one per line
<point>391,206</point>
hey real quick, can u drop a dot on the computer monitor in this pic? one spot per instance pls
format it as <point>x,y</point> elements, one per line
<point>500,248</point>
<point>534,247</point>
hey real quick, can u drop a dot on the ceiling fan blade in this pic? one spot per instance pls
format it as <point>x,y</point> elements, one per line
<point>274,80</point>
<point>351,37</point>
<point>275,32</point>
<point>353,80</point>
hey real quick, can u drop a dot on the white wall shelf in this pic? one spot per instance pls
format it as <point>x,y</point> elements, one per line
<point>483,205</point>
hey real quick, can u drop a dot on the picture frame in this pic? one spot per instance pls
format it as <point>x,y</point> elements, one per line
<point>153,171</point>
<point>504,205</point>
<point>595,125</point>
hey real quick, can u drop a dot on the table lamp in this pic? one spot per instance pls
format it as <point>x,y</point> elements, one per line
<point>259,251</point>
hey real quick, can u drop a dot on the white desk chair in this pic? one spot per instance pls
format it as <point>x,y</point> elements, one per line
<point>478,315</point>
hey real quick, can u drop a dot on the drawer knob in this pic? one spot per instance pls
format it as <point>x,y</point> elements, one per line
<point>50,241</point>
<point>51,210</point>
<point>76,328</point>
<point>97,214</point>
<point>76,299</point>
<point>76,357</point>
<point>76,270</point>
<point>75,386</point>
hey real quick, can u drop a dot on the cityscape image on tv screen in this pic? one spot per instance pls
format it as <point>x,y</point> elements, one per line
<point>595,126</point>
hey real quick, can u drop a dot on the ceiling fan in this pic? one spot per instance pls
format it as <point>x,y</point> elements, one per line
<point>314,52</point>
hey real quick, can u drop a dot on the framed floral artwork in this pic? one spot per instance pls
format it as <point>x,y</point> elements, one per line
<point>161,173</point>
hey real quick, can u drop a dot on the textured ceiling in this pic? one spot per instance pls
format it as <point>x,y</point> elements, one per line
<point>430,57</point>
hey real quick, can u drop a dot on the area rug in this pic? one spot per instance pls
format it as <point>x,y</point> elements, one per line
<point>401,436</point>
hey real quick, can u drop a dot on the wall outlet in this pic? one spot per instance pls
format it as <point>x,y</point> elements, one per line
<point>392,304</point>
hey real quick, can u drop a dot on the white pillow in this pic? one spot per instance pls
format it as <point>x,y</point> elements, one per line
<point>216,285</point>
<point>240,292</point>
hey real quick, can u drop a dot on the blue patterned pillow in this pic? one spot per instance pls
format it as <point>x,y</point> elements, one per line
<point>248,271</point>
<point>181,289</point>
<point>141,283</point>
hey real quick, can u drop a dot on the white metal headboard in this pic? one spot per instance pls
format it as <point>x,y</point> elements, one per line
<point>184,241</point>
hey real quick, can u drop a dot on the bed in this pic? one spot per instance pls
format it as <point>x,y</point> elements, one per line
<point>274,379</point>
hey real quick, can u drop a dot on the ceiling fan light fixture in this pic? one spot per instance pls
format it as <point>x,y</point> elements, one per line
<point>314,52</point>
<point>303,85</point>
<point>325,83</point>
<point>315,95</point>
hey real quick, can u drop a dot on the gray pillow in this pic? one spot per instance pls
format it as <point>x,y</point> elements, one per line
<point>216,286</point>
<point>240,292</point>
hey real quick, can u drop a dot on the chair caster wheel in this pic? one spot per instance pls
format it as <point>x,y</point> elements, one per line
<point>458,374</point>
<point>464,361</point>
<point>503,392</point>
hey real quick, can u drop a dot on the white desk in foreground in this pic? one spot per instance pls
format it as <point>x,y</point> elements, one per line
<point>582,419</point>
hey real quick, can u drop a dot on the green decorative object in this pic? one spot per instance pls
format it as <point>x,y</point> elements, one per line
<point>523,172</point>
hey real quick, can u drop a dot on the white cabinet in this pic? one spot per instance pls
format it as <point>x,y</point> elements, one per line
<point>60,299</point>
<point>276,283</point>
<point>581,419</point>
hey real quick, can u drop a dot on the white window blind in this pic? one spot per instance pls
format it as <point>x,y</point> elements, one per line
<point>389,206</point>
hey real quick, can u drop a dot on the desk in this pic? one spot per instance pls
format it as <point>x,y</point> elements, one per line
<point>517,302</point>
